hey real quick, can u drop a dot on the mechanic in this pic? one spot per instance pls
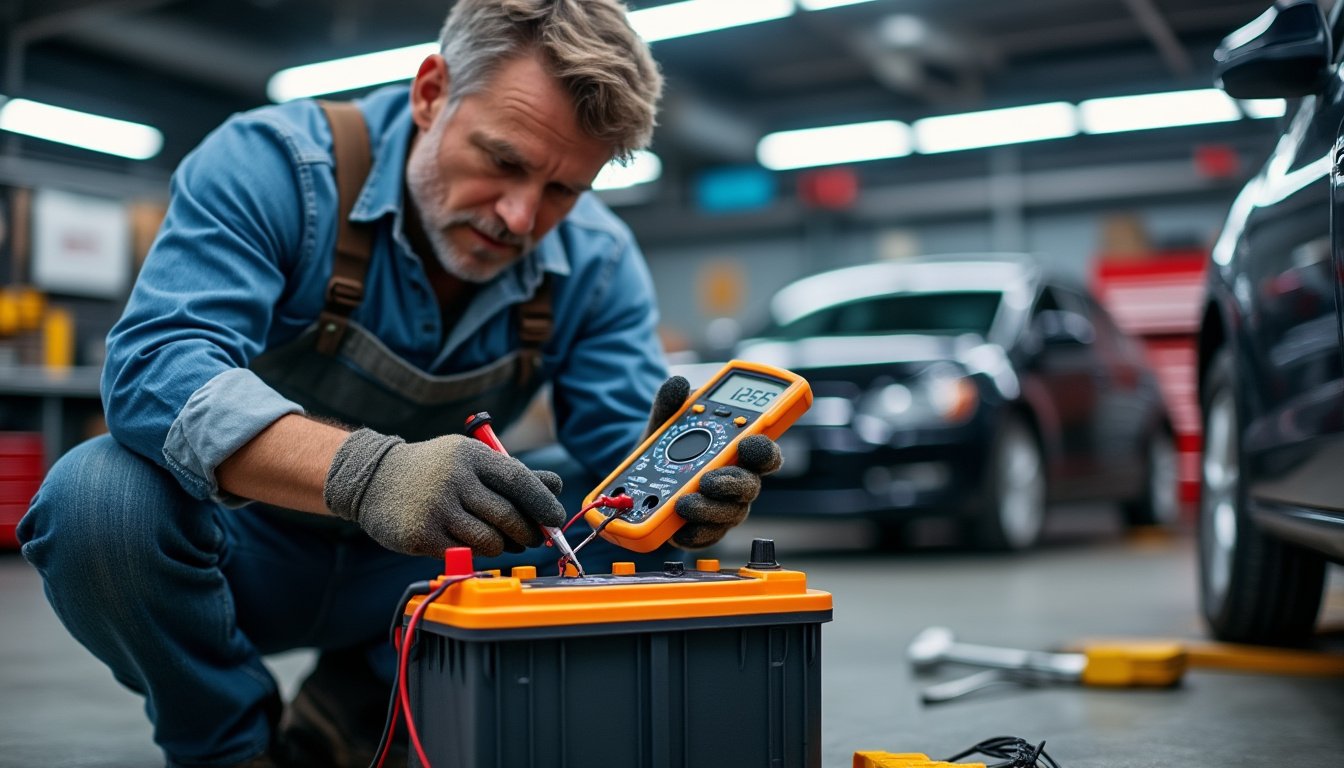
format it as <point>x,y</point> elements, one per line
<point>285,392</point>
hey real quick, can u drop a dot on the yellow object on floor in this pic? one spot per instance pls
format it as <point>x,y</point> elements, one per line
<point>1232,657</point>
<point>1134,664</point>
<point>904,760</point>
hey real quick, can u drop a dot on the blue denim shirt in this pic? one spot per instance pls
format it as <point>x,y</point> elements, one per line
<point>242,260</point>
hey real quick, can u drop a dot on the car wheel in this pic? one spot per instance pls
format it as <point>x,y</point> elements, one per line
<point>1254,588</point>
<point>1161,500</point>
<point>1014,512</point>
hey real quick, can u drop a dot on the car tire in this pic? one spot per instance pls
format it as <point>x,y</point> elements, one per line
<point>1160,504</point>
<point>1013,512</point>
<point>1254,588</point>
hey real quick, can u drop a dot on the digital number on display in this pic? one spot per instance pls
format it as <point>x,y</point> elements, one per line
<point>746,392</point>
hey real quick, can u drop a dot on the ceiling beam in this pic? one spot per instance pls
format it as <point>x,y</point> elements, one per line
<point>1162,36</point>
<point>141,185</point>
<point>714,131</point>
<point>183,51</point>
<point>78,15</point>
<point>921,202</point>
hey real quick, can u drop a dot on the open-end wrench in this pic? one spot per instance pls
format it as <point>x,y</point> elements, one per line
<point>937,645</point>
<point>1117,665</point>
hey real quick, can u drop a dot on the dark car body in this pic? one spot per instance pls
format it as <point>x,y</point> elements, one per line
<point>1271,362</point>
<point>947,386</point>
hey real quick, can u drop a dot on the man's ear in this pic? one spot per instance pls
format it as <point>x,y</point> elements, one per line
<point>429,91</point>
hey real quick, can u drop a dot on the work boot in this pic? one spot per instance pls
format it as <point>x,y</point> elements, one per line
<point>337,717</point>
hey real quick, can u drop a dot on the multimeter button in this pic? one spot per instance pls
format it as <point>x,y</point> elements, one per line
<point>674,568</point>
<point>622,568</point>
<point>740,421</point>
<point>689,446</point>
<point>706,564</point>
<point>523,572</point>
<point>722,412</point>
<point>698,408</point>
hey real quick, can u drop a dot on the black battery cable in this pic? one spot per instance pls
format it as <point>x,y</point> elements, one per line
<point>404,642</point>
<point>1015,752</point>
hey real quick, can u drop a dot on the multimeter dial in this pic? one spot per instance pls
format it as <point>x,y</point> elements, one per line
<point>689,446</point>
<point>680,454</point>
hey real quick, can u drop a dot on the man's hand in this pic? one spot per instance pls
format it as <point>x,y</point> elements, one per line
<point>725,493</point>
<point>421,498</point>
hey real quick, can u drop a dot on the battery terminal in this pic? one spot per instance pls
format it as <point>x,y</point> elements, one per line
<point>617,503</point>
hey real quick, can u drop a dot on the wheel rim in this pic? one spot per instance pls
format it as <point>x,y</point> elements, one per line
<point>1021,489</point>
<point>1218,501</point>
<point>1163,483</point>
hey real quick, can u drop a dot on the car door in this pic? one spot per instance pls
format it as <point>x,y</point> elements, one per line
<point>1061,389</point>
<point>1289,363</point>
<point>1125,410</point>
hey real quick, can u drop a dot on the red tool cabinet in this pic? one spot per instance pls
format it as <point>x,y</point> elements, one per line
<point>1157,298</point>
<point>21,472</point>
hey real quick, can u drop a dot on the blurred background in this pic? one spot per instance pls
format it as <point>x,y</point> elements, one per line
<point>1114,165</point>
<point>983,230</point>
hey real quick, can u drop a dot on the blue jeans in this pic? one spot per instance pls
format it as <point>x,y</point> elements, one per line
<point>182,597</point>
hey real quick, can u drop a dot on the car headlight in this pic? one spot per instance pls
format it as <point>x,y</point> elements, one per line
<point>953,396</point>
<point>939,396</point>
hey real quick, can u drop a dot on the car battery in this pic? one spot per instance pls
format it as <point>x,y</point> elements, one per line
<point>691,666</point>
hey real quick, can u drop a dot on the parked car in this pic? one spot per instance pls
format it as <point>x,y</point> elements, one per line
<point>1271,364</point>
<point>972,387</point>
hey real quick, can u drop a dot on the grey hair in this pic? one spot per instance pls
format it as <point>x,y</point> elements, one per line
<point>588,45</point>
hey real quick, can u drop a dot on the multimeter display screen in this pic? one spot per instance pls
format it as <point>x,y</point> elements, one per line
<point>746,392</point>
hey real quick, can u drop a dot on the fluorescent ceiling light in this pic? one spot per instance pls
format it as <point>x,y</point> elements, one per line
<point>995,127</point>
<point>1261,108</point>
<point>820,5</point>
<point>692,17</point>
<point>1158,110</point>
<point>80,129</point>
<point>834,144</point>
<point>643,168</point>
<point>661,22</point>
<point>349,73</point>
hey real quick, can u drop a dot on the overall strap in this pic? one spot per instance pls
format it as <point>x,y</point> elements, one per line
<point>354,242</point>
<point>535,323</point>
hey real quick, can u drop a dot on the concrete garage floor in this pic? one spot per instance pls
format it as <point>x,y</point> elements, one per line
<point>59,707</point>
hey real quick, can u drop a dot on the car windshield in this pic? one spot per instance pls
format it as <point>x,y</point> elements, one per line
<point>945,313</point>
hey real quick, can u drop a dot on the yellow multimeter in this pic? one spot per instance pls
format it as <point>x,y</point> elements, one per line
<point>742,399</point>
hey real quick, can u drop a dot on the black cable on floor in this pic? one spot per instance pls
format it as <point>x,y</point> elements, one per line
<point>1014,752</point>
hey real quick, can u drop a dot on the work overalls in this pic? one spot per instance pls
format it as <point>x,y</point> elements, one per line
<point>181,597</point>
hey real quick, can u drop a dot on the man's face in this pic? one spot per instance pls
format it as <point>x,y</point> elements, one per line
<point>491,177</point>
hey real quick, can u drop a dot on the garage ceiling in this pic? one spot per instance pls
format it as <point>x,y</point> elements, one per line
<point>183,66</point>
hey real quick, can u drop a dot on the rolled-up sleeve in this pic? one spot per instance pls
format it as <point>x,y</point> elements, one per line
<point>175,385</point>
<point>605,385</point>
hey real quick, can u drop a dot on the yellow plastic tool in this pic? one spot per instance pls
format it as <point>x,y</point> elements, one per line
<point>904,760</point>
<point>1134,664</point>
<point>1115,665</point>
<point>1232,657</point>
<point>742,399</point>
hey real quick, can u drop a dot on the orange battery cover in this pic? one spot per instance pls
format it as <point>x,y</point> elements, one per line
<point>742,399</point>
<point>523,604</point>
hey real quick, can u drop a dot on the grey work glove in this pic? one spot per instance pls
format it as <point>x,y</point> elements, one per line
<point>452,491</point>
<point>726,493</point>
